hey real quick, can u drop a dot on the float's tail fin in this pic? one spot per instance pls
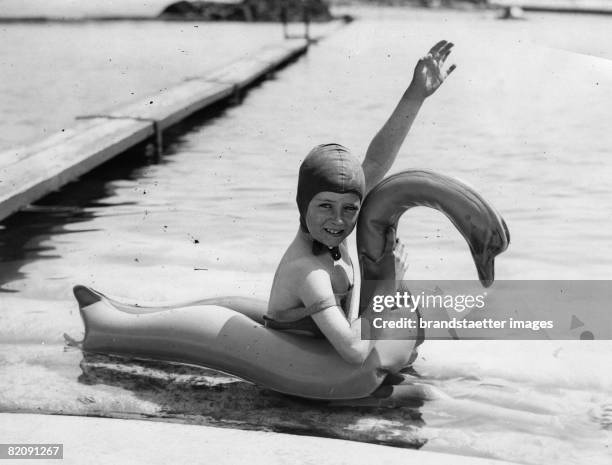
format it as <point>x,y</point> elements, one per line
<point>85,296</point>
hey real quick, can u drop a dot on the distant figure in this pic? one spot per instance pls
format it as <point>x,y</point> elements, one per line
<point>513,12</point>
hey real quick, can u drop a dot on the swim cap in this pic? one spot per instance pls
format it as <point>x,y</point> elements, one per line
<point>328,168</point>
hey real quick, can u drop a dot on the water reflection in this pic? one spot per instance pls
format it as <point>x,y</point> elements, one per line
<point>195,395</point>
<point>23,234</point>
<point>30,234</point>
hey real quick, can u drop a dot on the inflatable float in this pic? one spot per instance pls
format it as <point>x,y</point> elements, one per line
<point>481,226</point>
<point>227,333</point>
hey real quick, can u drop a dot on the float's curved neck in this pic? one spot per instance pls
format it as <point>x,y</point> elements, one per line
<point>482,227</point>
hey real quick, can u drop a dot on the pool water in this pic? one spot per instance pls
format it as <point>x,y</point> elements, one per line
<point>523,119</point>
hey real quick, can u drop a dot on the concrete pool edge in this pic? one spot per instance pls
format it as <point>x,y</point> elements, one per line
<point>40,168</point>
<point>103,440</point>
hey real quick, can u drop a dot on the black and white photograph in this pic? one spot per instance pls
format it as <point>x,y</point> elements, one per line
<point>306,231</point>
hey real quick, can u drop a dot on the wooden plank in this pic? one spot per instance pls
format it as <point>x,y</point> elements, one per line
<point>29,179</point>
<point>18,153</point>
<point>175,104</point>
<point>33,171</point>
<point>240,73</point>
<point>279,54</point>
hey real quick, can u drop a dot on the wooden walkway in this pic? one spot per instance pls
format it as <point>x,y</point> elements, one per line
<point>38,169</point>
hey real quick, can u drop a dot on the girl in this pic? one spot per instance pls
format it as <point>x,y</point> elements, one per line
<point>313,285</point>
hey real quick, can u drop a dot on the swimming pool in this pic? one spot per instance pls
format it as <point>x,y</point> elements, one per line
<point>520,119</point>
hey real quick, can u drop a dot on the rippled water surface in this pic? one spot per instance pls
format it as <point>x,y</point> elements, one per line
<point>523,119</point>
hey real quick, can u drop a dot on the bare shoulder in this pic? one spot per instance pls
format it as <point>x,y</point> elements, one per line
<point>299,260</point>
<point>306,267</point>
<point>297,267</point>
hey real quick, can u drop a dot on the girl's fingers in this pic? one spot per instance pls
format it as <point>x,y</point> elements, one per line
<point>399,246</point>
<point>401,257</point>
<point>450,70</point>
<point>445,52</point>
<point>440,51</point>
<point>389,240</point>
<point>435,50</point>
<point>447,48</point>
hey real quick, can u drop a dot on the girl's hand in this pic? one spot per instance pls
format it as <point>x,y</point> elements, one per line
<point>429,73</point>
<point>401,260</point>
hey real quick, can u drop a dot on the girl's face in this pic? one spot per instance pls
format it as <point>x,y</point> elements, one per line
<point>331,217</point>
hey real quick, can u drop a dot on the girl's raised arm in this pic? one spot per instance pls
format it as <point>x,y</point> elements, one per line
<point>428,76</point>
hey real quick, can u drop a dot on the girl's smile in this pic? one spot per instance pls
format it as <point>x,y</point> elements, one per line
<point>331,217</point>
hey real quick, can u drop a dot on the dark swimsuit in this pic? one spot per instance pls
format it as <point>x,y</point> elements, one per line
<point>301,317</point>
